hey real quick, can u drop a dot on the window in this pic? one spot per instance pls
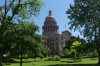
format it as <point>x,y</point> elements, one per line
<point>56,38</point>
<point>61,38</point>
<point>57,47</point>
<point>61,43</point>
<point>52,39</point>
<point>48,40</point>
<point>53,48</point>
<point>52,44</point>
<point>56,43</point>
<point>45,29</point>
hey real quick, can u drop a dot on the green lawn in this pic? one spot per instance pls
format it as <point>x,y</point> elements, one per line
<point>63,62</point>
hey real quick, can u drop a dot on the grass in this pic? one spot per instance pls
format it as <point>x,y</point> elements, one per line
<point>63,62</point>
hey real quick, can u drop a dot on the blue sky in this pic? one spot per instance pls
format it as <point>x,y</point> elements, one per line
<point>58,8</point>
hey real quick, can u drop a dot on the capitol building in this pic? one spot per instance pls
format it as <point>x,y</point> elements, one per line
<point>54,40</point>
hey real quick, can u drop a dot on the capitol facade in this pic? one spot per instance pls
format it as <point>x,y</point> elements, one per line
<point>54,40</point>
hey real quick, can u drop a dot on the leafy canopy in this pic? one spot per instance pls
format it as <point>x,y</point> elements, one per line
<point>84,16</point>
<point>12,12</point>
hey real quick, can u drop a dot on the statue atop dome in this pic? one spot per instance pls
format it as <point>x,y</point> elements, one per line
<point>50,12</point>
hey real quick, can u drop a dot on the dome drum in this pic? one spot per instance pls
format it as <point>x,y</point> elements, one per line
<point>49,22</point>
<point>46,26</point>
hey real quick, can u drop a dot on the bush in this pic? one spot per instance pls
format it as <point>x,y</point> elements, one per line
<point>70,53</point>
<point>54,58</point>
<point>50,59</point>
<point>94,54</point>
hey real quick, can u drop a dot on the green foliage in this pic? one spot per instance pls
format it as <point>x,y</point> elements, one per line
<point>54,58</point>
<point>75,40</point>
<point>70,41</point>
<point>94,53</point>
<point>67,52</point>
<point>76,43</point>
<point>84,16</point>
<point>38,48</point>
<point>12,12</point>
<point>70,53</point>
<point>44,51</point>
<point>77,46</point>
<point>73,52</point>
<point>17,28</point>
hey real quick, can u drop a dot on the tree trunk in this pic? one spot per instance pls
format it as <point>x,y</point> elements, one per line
<point>0,59</point>
<point>21,57</point>
<point>34,59</point>
<point>74,58</point>
<point>98,50</point>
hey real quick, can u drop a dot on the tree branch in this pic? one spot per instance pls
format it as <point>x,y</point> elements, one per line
<point>15,10</point>
<point>10,5</point>
<point>5,9</point>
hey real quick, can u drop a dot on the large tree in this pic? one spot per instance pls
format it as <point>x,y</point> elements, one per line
<point>23,37</point>
<point>70,41</point>
<point>82,47</point>
<point>11,13</point>
<point>84,15</point>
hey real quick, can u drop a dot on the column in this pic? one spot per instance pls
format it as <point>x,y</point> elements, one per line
<point>55,29</point>
<point>47,29</point>
<point>50,28</point>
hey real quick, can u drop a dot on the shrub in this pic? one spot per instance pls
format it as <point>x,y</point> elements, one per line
<point>94,53</point>
<point>50,59</point>
<point>54,58</point>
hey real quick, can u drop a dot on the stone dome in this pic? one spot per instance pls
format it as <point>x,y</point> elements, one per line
<point>50,19</point>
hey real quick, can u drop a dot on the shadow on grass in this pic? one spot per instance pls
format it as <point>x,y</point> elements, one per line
<point>10,61</point>
<point>14,61</point>
<point>72,65</point>
<point>19,58</point>
<point>27,61</point>
<point>93,59</point>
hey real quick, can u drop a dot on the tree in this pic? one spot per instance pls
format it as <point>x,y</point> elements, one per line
<point>23,38</point>
<point>11,13</point>
<point>36,51</point>
<point>70,41</point>
<point>39,50</point>
<point>78,47</point>
<point>84,16</point>
<point>67,53</point>
<point>73,39</point>
<point>84,46</point>
<point>45,50</point>
<point>75,47</point>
